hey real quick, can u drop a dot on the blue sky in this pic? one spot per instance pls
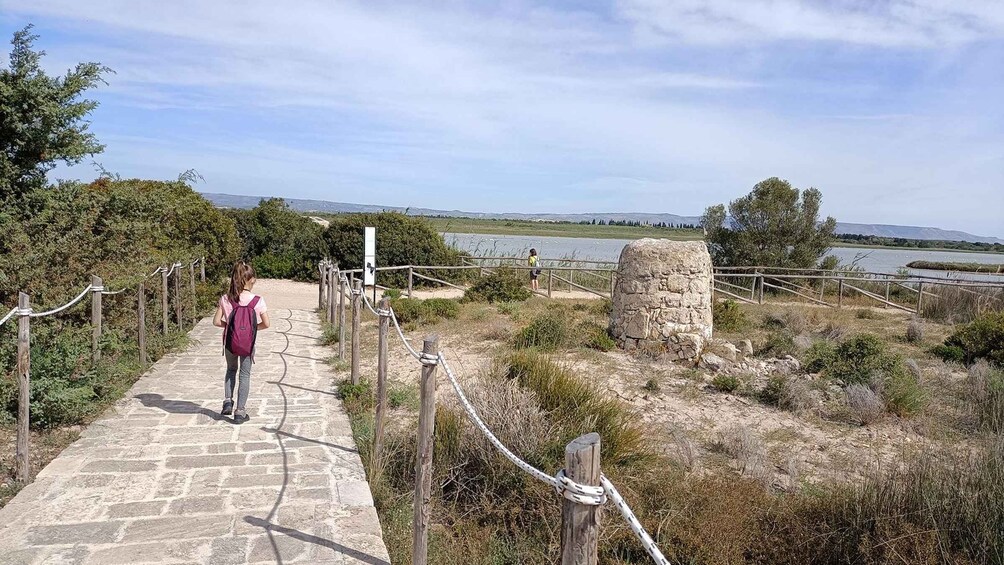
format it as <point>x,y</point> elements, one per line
<point>892,108</point>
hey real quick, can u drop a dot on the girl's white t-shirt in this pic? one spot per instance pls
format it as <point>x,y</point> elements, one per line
<point>246,297</point>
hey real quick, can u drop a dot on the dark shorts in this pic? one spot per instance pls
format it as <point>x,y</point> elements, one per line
<point>534,273</point>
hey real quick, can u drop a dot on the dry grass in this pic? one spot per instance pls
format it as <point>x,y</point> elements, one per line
<point>865,405</point>
<point>748,451</point>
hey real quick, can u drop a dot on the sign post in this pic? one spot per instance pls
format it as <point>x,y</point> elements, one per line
<point>369,259</point>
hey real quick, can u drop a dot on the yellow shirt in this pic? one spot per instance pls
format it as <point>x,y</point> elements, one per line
<point>533,261</point>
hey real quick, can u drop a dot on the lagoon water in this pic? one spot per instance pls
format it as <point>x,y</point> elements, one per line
<point>875,260</point>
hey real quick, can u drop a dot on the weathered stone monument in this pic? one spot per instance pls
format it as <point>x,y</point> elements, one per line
<point>662,298</point>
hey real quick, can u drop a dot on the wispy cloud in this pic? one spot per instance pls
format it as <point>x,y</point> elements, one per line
<point>633,105</point>
<point>888,23</point>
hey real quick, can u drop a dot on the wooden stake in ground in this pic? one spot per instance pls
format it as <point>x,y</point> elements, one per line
<point>341,317</point>
<point>357,299</point>
<point>202,269</point>
<point>141,329</point>
<point>580,526</point>
<point>163,296</point>
<point>322,270</point>
<point>381,407</point>
<point>423,461</point>
<point>97,286</point>
<point>24,386</point>
<point>177,297</point>
<point>195,299</point>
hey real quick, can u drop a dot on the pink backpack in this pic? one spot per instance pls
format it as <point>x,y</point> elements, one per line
<point>242,329</point>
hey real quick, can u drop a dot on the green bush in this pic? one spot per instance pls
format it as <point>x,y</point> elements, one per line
<point>774,390</point>
<point>948,353</point>
<point>502,285</point>
<point>859,359</point>
<point>596,337</point>
<point>427,311</point>
<point>441,308</point>
<point>357,398</point>
<point>778,344</point>
<point>392,293</point>
<point>903,394</point>
<point>329,334</point>
<point>279,242</point>
<point>726,383</point>
<point>728,316</point>
<point>983,338</point>
<point>508,308</point>
<point>602,307</point>
<point>547,332</point>
<point>819,356</point>
<point>400,240</point>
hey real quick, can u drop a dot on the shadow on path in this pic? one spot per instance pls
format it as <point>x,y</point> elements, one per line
<point>178,406</point>
<point>308,440</point>
<point>296,534</point>
<point>328,392</point>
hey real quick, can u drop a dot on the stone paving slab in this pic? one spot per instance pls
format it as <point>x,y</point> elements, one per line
<point>163,478</point>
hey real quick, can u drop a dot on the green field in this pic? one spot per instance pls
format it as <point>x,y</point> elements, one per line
<point>520,227</point>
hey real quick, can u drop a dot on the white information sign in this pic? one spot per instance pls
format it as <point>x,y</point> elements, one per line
<point>369,257</point>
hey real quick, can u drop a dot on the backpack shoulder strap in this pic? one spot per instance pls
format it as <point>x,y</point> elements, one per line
<point>254,302</point>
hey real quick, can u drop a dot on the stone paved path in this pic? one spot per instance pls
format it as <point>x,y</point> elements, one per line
<point>163,478</point>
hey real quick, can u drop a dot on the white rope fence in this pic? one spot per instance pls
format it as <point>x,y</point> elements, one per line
<point>566,487</point>
<point>79,297</point>
<point>89,288</point>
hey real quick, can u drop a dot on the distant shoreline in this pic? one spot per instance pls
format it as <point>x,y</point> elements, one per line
<point>980,268</point>
<point>595,231</point>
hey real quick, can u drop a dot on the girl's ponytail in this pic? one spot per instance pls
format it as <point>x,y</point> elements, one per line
<point>242,273</point>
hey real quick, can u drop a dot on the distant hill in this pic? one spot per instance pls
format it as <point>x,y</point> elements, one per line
<point>881,230</point>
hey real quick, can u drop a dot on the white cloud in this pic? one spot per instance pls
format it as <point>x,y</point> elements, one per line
<point>896,23</point>
<point>478,108</point>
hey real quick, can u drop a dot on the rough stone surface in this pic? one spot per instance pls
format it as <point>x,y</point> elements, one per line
<point>746,348</point>
<point>163,478</point>
<point>663,290</point>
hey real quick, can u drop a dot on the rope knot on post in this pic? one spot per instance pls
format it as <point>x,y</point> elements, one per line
<point>383,313</point>
<point>97,288</point>
<point>23,311</point>
<point>357,292</point>
<point>429,359</point>
<point>578,493</point>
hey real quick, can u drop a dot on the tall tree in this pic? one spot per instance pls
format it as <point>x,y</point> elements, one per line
<point>775,225</point>
<point>42,118</point>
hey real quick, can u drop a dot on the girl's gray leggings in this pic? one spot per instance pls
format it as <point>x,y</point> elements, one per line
<point>230,379</point>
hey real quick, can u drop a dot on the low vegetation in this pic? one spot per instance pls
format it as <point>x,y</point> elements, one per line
<point>424,312</point>
<point>983,338</point>
<point>729,317</point>
<point>501,285</point>
<point>965,267</point>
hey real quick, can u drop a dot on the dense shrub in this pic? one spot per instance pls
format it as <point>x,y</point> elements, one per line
<point>777,344</point>
<point>774,390</point>
<point>819,356</point>
<point>728,316</point>
<point>948,353</point>
<point>915,331</point>
<point>726,383</point>
<point>547,332</point>
<point>862,357</point>
<point>596,337</point>
<point>502,285</point>
<point>904,395</point>
<point>427,311</point>
<point>279,242</point>
<point>983,338</point>
<point>865,405</point>
<point>400,240</point>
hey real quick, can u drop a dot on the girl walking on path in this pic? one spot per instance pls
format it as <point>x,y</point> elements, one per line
<point>534,263</point>
<point>240,313</point>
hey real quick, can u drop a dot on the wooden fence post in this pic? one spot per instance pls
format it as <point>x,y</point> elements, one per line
<point>195,298</point>
<point>840,292</point>
<point>202,268</point>
<point>163,296</point>
<point>381,407</point>
<point>411,279</point>
<point>580,526</point>
<point>141,329</point>
<point>342,288</point>
<point>357,299</point>
<point>177,297</point>
<point>822,286</point>
<point>550,281</point>
<point>24,387</point>
<point>760,280</point>
<point>331,307</point>
<point>322,271</point>
<point>920,298</point>
<point>423,459</point>
<point>98,285</point>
